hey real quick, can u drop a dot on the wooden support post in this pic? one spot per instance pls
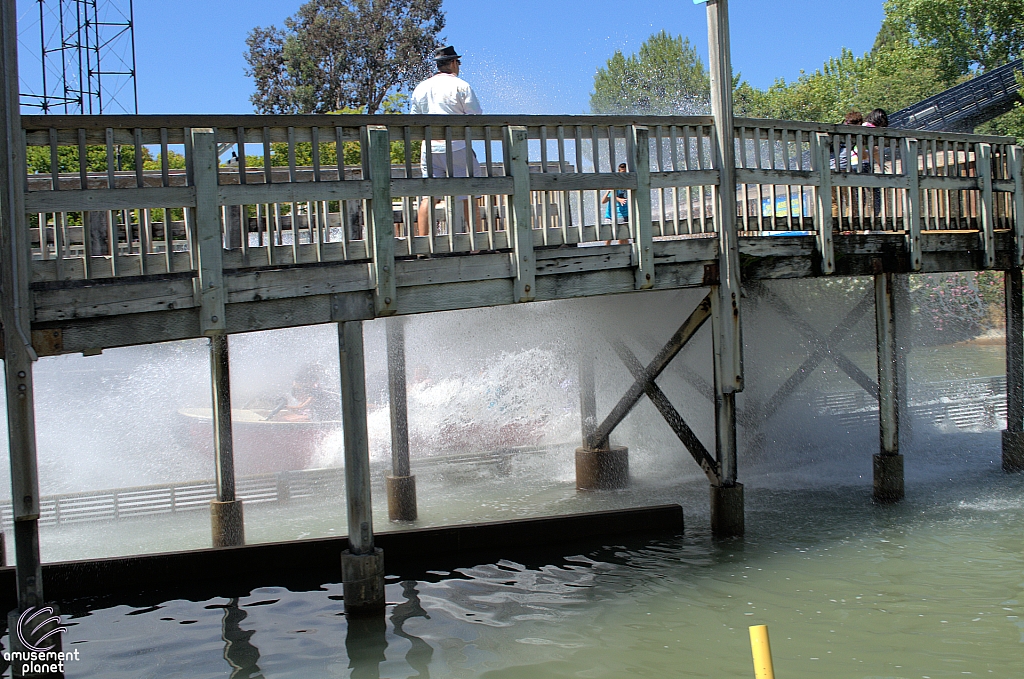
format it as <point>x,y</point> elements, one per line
<point>728,335</point>
<point>643,238</point>
<point>401,484</point>
<point>362,564</point>
<point>517,154</point>
<point>823,202</point>
<point>588,390</point>
<point>912,207</point>
<point>382,221</point>
<point>210,245</point>
<point>599,466</point>
<point>904,325</point>
<point>226,518</point>
<point>1013,437</point>
<point>888,463</point>
<point>727,496</point>
<point>16,316</point>
<point>1017,169</point>
<point>986,207</point>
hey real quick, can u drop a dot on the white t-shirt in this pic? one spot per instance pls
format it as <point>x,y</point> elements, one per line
<point>445,94</point>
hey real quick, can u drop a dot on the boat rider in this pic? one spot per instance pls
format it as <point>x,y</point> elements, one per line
<point>445,93</point>
<point>310,400</point>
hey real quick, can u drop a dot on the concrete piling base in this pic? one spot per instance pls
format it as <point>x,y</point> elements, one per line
<point>401,498</point>
<point>227,523</point>
<point>27,626</point>
<point>888,475</point>
<point>1013,451</point>
<point>602,469</point>
<point>362,577</point>
<point>727,511</point>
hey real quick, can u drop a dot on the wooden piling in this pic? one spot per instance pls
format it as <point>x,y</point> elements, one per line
<point>226,519</point>
<point>16,316</point>
<point>362,564</point>
<point>903,335</point>
<point>401,484</point>
<point>888,463</point>
<point>588,391</point>
<point>727,494</point>
<point>1013,436</point>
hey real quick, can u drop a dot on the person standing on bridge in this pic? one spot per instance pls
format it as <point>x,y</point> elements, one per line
<point>445,93</point>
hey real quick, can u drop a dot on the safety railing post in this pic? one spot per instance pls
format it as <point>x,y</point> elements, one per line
<point>516,161</point>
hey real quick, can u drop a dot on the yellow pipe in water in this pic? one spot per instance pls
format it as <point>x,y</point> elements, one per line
<point>762,652</point>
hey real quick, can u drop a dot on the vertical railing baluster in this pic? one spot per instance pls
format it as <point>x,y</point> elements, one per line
<point>578,143</point>
<point>563,196</point>
<point>673,134</point>
<point>408,214</point>
<point>428,139</point>
<point>490,202</point>
<point>595,151</point>
<point>339,142</point>
<point>823,201</point>
<point>293,205</point>
<point>112,233</point>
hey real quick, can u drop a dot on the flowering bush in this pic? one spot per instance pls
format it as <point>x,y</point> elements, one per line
<point>957,306</point>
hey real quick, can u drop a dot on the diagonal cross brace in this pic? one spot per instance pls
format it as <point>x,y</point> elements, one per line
<point>689,375</point>
<point>823,348</point>
<point>598,440</point>
<point>672,417</point>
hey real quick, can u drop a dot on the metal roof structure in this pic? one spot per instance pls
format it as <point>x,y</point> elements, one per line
<point>965,106</point>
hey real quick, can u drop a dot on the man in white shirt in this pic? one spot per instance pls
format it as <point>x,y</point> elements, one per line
<point>445,93</point>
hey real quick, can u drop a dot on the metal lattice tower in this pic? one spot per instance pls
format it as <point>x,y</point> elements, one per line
<point>78,56</point>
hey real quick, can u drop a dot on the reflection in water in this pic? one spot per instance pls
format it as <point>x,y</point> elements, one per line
<point>238,651</point>
<point>366,641</point>
<point>365,644</point>
<point>421,652</point>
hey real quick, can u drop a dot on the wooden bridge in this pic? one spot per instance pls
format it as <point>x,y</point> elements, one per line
<point>186,244</point>
<point>141,229</point>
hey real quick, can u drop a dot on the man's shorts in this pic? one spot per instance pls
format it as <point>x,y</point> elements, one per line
<point>459,165</point>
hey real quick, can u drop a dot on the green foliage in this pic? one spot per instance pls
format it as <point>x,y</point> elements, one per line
<point>395,103</point>
<point>334,54</point>
<point>890,77</point>
<point>38,158</point>
<point>964,35</point>
<point>665,77</point>
<point>922,48</point>
<point>1010,124</point>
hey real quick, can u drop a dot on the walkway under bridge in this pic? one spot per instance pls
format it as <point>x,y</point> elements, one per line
<point>142,229</point>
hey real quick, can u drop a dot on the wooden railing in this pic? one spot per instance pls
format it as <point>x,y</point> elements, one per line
<point>542,181</point>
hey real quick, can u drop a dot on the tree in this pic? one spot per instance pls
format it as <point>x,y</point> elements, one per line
<point>889,77</point>
<point>334,54</point>
<point>966,35</point>
<point>666,77</point>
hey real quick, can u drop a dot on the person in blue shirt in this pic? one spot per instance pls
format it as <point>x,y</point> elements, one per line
<point>621,202</point>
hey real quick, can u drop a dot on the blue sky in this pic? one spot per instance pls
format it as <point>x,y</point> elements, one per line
<point>522,56</point>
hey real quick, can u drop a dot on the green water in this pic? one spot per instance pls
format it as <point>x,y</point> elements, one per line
<point>928,588</point>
